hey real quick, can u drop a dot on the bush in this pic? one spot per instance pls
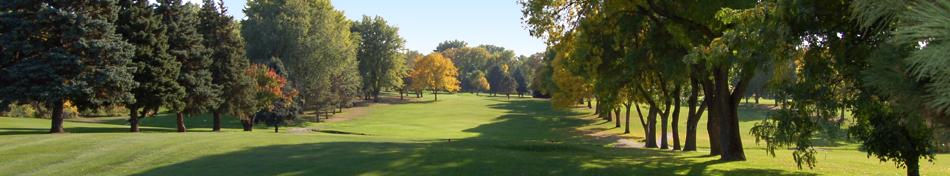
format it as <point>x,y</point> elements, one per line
<point>106,111</point>
<point>37,110</point>
<point>21,110</point>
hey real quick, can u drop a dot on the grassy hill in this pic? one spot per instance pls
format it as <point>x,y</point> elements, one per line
<point>458,135</point>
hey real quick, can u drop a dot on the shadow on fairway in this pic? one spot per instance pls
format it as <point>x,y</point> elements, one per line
<point>161,123</point>
<point>531,139</point>
<point>19,131</point>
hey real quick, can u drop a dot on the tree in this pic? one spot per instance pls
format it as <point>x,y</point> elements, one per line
<point>186,46</point>
<point>506,84</point>
<point>469,61</point>
<point>315,43</point>
<point>480,82</point>
<point>156,70</point>
<point>59,51</point>
<point>268,89</point>
<point>600,32</point>
<point>378,55</point>
<point>885,63</point>
<point>496,77</point>
<point>520,77</point>
<point>542,83</point>
<point>434,72</point>
<point>411,58</point>
<point>229,63</point>
<point>449,44</point>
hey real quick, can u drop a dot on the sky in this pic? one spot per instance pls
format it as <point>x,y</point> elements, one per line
<point>426,23</point>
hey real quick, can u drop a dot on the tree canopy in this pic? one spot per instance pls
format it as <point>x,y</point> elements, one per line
<point>436,73</point>
<point>59,51</point>
<point>313,43</point>
<point>380,62</point>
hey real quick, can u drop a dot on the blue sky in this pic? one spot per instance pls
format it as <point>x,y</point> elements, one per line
<point>426,23</point>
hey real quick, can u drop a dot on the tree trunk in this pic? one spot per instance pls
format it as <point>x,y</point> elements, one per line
<point>712,120</point>
<point>676,117</point>
<point>588,104</point>
<point>248,124</point>
<point>217,122</point>
<point>617,117</point>
<point>435,93</point>
<point>727,104</point>
<point>692,116</point>
<point>276,127</point>
<point>508,95</point>
<point>609,116</point>
<point>664,140</point>
<point>913,165</point>
<point>56,117</point>
<point>401,92</point>
<point>626,129</point>
<point>596,110</point>
<point>651,127</point>
<point>693,120</point>
<point>181,122</point>
<point>375,96</point>
<point>642,122</point>
<point>133,118</point>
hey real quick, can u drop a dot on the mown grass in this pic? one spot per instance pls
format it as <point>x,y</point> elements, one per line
<point>458,135</point>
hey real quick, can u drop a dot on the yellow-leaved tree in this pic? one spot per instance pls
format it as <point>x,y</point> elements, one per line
<point>436,73</point>
<point>482,84</point>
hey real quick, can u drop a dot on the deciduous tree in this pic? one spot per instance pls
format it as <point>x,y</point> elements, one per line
<point>436,73</point>
<point>378,55</point>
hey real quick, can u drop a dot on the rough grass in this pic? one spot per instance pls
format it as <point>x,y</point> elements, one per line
<point>458,135</point>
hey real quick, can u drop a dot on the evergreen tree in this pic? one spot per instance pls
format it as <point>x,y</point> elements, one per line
<point>222,37</point>
<point>185,44</point>
<point>156,70</point>
<point>59,51</point>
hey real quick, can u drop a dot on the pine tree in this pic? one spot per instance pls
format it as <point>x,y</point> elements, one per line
<point>185,44</point>
<point>59,51</point>
<point>156,70</point>
<point>222,37</point>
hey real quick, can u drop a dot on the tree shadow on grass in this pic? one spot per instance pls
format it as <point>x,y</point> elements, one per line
<point>159,123</point>
<point>531,139</point>
<point>20,131</point>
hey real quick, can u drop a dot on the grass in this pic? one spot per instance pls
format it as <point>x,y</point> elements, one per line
<point>458,135</point>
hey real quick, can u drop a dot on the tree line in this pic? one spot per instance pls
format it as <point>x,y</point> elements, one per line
<point>178,57</point>
<point>287,57</point>
<point>882,62</point>
<point>185,58</point>
<point>489,68</point>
